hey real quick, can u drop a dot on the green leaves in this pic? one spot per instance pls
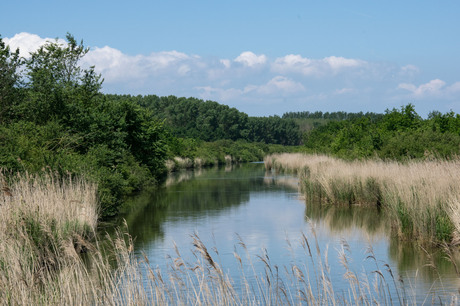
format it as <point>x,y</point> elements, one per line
<point>10,79</point>
<point>56,83</point>
<point>398,134</point>
<point>59,120</point>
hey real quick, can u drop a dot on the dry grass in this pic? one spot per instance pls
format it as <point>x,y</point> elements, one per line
<point>49,251</point>
<point>45,224</point>
<point>422,197</point>
<point>49,255</point>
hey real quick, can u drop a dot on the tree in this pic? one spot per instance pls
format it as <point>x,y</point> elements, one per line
<point>57,82</point>
<point>10,63</point>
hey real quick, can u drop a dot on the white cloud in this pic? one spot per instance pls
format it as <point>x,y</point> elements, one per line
<point>226,63</point>
<point>454,88</point>
<point>280,84</point>
<point>338,63</point>
<point>264,85</point>
<point>433,87</point>
<point>310,67</point>
<point>409,70</point>
<point>115,65</point>
<point>250,59</point>
<point>293,64</point>
<point>220,94</point>
<point>276,87</point>
<point>28,43</point>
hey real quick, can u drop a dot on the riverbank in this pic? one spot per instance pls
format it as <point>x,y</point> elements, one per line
<point>195,154</point>
<point>421,198</point>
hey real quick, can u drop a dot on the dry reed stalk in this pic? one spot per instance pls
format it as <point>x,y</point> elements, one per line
<point>44,224</point>
<point>421,196</point>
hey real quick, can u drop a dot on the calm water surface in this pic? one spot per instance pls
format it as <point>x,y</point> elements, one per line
<point>267,212</point>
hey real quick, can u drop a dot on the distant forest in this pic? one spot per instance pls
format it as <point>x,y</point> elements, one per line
<point>331,115</point>
<point>397,134</point>
<point>211,121</point>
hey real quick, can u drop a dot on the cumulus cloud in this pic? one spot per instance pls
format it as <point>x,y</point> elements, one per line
<point>338,63</point>
<point>225,62</point>
<point>275,87</point>
<point>280,84</point>
<point>293,81</point>
<point>409,70</point>
<point>454,88</point>
<point>250,59</point>
<point>293,64</point>
<point>433,87</point>
<point>314,67</point>
<point>28,43</point>
<point>115,65</point>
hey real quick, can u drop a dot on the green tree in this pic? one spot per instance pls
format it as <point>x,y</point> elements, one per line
<point>57,85</point>
<point>10,62</point>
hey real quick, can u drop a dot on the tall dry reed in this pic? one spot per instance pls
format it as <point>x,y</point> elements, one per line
<point>45,224</point>
<point>421,197</point>
<point>49,255</point>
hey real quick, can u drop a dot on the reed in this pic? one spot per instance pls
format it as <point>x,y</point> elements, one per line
<point>49,250</point>
<point>45,223</point>
<point>50,255</point>
<point>420,197</point>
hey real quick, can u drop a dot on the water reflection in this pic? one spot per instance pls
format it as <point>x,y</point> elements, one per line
<point>340,219</point>
<point>264,208</point>
<point>189,195</point>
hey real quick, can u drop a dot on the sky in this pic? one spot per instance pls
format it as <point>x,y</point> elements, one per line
<point>261,57</point>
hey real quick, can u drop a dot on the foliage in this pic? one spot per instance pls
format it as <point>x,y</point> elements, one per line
<point>200,153</point>
<point>211,121</point>
<point>53,115</point>
<point>9,79</point>
<point>398,134</point>
<point>59,119</point>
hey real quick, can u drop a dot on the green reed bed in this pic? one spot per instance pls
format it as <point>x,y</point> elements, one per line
<point>421,198</point>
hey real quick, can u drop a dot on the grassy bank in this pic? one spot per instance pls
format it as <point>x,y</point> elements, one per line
<point>422,198</point>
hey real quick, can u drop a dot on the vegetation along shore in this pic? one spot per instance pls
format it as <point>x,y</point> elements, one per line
<point>421,198</point>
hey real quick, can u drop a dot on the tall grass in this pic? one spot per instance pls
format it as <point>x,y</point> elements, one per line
<point>50,255</point>
<point>422,198</point>
<point>46,223</point>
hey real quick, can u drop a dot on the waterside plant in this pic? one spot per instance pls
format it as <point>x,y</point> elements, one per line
<point>421,198</point>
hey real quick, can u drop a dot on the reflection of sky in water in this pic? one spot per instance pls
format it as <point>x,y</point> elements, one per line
<point>273,214</point>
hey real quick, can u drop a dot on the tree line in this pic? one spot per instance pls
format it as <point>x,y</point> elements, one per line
<point>53,116</point>
<point>211,121</point>
<point>339,115</point>
<point>397,134</point>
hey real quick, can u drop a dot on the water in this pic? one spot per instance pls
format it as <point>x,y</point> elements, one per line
<point>225,206</point>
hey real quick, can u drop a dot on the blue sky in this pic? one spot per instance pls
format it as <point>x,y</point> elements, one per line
<point>262,57</point>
